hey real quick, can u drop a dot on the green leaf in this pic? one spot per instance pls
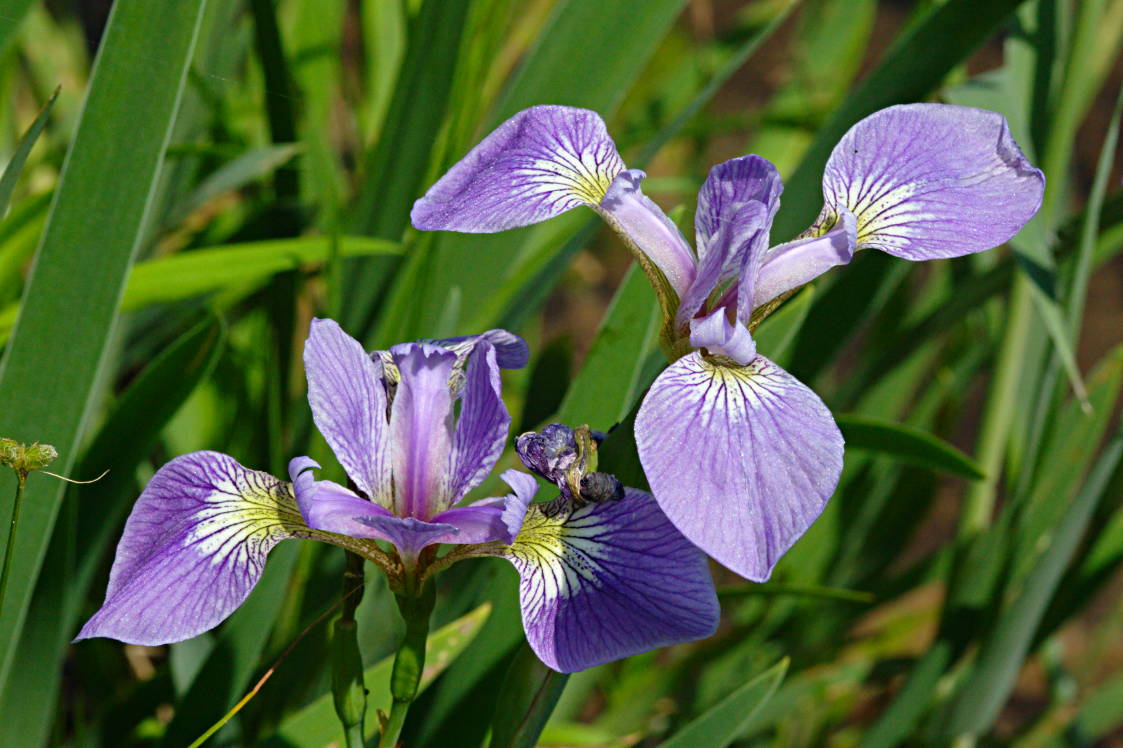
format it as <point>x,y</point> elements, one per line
<point>1066,455</point>
<point>316,725</point>
<point>58,348</point>
<point>92,516</point>
<point>398,164</point>
<point>603,391</point>
<point>238,647</point>
<point>234,175</point>
<point>1000,658</point>
<point>907,444</point>
<point>567,65</point>
<point>547,384</point>
<point>187,274</point>
<point>724,723</point>
<point>1102,710</point>
<point>23,150</point>
<point>526,699</point>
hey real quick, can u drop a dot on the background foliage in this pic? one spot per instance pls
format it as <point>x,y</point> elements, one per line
<point>212,173</point>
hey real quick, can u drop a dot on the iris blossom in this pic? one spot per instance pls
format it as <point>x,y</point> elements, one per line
<point>415,428</point>
<point>740,455</point>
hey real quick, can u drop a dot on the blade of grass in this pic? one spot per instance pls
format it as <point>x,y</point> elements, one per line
<point>608,383</point>
<point>725,722</point>
<point>529,693</point>
<point>23,150</point>
<point>247,168</point>
<point>398,163</point>
<point>908,444</point>
<point>57,350</point>
<point>188,274</point>
<point>1003,651</point>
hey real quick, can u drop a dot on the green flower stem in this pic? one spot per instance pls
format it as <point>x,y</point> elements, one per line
<point>999,414</point>
<point>22,479</point>
<point>415,605</point>
<point>348,690</point>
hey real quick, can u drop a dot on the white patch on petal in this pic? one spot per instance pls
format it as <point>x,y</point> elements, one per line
<point>243,517</point>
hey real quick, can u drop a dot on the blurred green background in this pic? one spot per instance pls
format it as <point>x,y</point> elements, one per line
<point>213,173</point>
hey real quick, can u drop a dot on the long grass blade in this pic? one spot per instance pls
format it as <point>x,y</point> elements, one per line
<point>52,363</point>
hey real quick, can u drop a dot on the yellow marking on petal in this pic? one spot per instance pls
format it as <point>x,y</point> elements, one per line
<point>238,512</point>
<point>756,380</point>
<point>549,542</point>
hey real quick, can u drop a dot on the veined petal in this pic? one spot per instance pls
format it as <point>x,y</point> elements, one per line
<point>511,351</point>
<point>329,506</point>
<point>733,187</point>
<point>538,164</point>
<point>735,209</point>
<point>332,508</point>
<point>721,337</point>
<point>421,429</point>
<point>729,257</point>
<point>481,430</point>
<point>193,548</point>
<point>409,534</point>
<point>791,265</point>
<point>497,519</point>
<point>742,459</point>
<point>608,580</point>
<point>634,215</point>
<point>931,180</point>
<point>348,402</point>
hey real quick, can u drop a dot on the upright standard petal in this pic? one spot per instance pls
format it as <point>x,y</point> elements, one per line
<point>481,430</point>
<point>931,180</point>
<point>511,351</point>
<point>736,206</point>
<point>421,429</point>
<point>348,402</point>
<point>731,188</point>
<point>193,548</point>
<point>637,218</point>
<point>608,580</point>
<point>538,164</point>
<point>742,459</point>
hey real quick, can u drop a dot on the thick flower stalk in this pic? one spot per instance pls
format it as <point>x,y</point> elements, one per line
<point>740,455</point>
<point>415,428</point>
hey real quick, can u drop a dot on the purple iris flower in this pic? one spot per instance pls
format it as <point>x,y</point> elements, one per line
<point>415,428</point>
<point>740,455</point>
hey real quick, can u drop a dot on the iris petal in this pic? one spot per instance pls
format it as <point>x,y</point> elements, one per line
<point>193,548</point>
<point>721,337</point>
<point>635,216</point>
<point>608,580</point>
<point>348,404</point>
<point>791,265</point>
<point>538,164</point>
<point>481,431</point>
<point>742,459</point>
<point>421,429</point>
<point>931,180</point>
